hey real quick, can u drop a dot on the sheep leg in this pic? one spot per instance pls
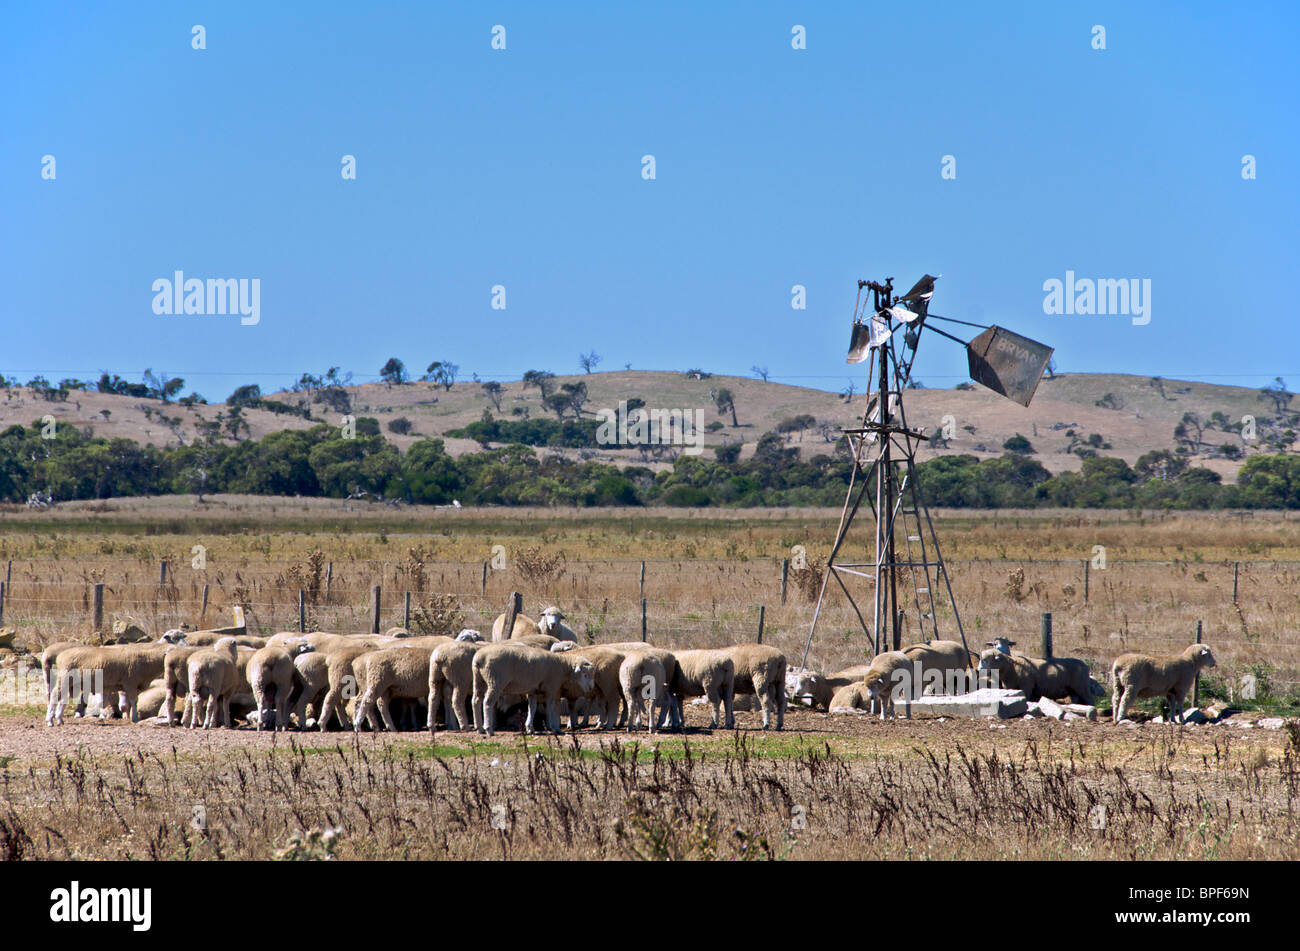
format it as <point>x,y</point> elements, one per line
<point>781,701</point>
<point>728,703</point>
<point>384,711</point>
<point>532,710</point>
<point>488,721</point>
<point>553,714</point>
<point>132,695</point>
<point>1175,706</point>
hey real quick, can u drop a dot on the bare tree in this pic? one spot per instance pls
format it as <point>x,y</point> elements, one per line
<point>760,372</point>
<point>589,361</point>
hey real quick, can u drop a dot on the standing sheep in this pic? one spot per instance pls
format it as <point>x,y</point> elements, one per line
<point>271,676</point>
<point>313,670</point>
<point>706,673</point>
<point>1134,676</point>
<point>213,678</point>
<point>760,670</point>
<point>888,678</point>
<point>501,669</point>
<point>451,681</point>
<point>390,673</point>
<point>128,668</point>
<point>642,678</point>
<point>1061,678</point>
<point>671,708</point>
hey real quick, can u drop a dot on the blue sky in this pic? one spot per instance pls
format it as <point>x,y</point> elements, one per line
<point>522,167</point>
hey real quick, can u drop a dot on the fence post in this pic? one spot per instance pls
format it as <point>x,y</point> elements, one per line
<point>2,601</point>
<point>513,607</point>
<point>203,607</point>
<point>762,611</point>
<point>485,571</point>
<point>162,573</point>
<point>643,627</point>
<point>785,576</point>
<point>1086,566</point>
<point>329,580</point>
<point>642,589</point>
<point>1235,566</point>
<point>97,612</point>
<point>1047,636</point>
<point>302,611</point>
<point>374,609</point>
<point>1196,687</point>
<point>406,615</point>
<point>9,574</point>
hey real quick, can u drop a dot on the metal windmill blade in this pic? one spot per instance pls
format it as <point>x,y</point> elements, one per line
<point>1008,363</point>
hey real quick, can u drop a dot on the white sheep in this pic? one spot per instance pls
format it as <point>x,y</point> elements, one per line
<point>642,678</point>
<point>313,672</point>
<point>391,673</point>
<point>760,670</point>
<point>888,678</point>
<point>706,673</point>
<point>850,698</point>
<point>343,684</point>
<point>817,689</point>
<point>506,668</point>
<point>451,680</point>
<point>1140,675</point>
<point>1060,678</point>
<point>523,625</point>
<point>271,676</point>
<point>552,623</point>
<point>128,668</point>
<point>671,707</point>
<point>213,679</point>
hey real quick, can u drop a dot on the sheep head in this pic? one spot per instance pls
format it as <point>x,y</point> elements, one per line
<point>584,672</point>
<point>471,635</point>
<point>1201,655</point>
<point>550,620</point>
<point>174,636</point>
<point>802,684</point>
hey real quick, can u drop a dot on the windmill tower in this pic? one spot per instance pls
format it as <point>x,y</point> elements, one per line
<point>907,576</point>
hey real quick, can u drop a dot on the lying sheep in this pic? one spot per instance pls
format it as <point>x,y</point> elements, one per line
<point>523,625</point>
<point>641,677</point>
<point>505,668</point>
<point>1134,676</point>
<point>849,698</point>
<point>552,623</point>
<point>706,673</point>
<point>213,679</point>
<point>451,681</point>
<point>760,670</point>
<point>819,689</point>
<point>151,700</point>
<point>391,673</point>
<point>271,676</point>
<point>1061,678</point>
<point>128,668</point>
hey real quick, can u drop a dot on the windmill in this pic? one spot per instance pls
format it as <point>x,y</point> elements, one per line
<point>908,565</point>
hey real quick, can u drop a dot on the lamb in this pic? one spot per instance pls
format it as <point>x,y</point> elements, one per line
<point>552,623</point>
<point>642,677</point>
<point>451,679</point>
<point>760,670</point>
<point>128,668</point>
<point>886,678</point>
<point>271,674</point>
<point>518,669</point>
<point>213,678</point>
<point>389,673</point>
<point>523,625</point>
<point>1139,675</point>
<point>706,673</point>
<point>1061,678</point>
<point>819,689</point>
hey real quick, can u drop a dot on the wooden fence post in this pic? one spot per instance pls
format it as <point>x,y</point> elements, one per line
<point>785,576</point>
<point>1047,636</point>
<point>329,580</point>
<point>3,586</point>
<point>162,573</point>
<point>406,615</point>
<point>1236,565</point>
<point>203,606</point>
<point>642,590</point>
<point>97,612</point>
<point>302,611</point>
<point>1196,687</point>
<point>485,571</point>
<point>762,611</point>
<point>643,625</point>
<point>513,607</point>
<point>374,609</point>
<point>1086,566</point>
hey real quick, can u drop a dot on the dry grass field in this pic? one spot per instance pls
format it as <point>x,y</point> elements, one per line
<point>862,788</point>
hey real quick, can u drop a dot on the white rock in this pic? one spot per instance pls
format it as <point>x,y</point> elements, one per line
<point>1271,723</point>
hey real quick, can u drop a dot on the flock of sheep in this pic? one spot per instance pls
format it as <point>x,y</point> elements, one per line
<point>467,682</point>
